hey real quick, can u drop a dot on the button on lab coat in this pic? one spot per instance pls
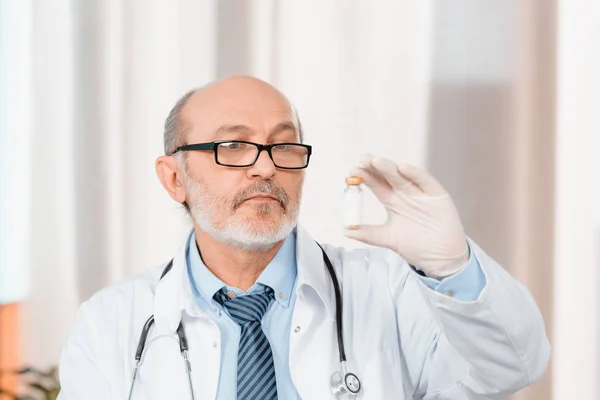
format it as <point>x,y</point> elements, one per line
<point>402,339</point>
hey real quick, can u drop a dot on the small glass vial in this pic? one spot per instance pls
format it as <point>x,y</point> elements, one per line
<point>353,202</point>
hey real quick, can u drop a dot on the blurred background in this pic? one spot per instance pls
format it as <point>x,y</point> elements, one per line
<point>498,99</point>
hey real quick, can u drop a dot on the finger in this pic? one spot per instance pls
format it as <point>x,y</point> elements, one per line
<point>365,160</point>
<point>375,182</point>
<point>373,179</point>
<point>375,235</point>
<point>389,171</point>
<point>424,180</point>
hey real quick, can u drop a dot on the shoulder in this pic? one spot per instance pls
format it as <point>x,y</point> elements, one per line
<point>369,263</point>
<point>121,296</point>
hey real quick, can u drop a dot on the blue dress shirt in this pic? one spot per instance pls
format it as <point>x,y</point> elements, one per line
<point>280,275</point>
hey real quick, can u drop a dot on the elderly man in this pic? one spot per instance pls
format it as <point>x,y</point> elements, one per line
<point>252,307</point>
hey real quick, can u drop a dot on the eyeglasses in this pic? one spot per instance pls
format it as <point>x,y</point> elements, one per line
<point>238,153</point>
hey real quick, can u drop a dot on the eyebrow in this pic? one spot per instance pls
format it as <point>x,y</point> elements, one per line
<point>282,126</point>
<point>230,129</point>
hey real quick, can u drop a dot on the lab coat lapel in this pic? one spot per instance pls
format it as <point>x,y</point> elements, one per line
<point>173,303</point>
<point>312,271</point>
<point>313,345</point>
<point>169,296</point>
<point>174,296</point>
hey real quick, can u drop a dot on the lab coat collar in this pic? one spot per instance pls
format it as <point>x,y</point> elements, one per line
<point>174,294</point>
<point>312,270</point>
<point>280,274</point>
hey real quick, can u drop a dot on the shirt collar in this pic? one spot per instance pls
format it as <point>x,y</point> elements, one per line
<point>175,293</point>
<point>279,275</point>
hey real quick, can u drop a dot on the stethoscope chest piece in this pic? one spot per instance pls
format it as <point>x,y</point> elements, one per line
<point>345,383</point>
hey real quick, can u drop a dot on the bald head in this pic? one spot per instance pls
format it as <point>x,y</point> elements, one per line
<point>225,99</point>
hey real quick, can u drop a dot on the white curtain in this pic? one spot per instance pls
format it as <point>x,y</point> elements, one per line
<point>15,141</point>
<point>103,78</point>
<point>104,75</point>
<point>577,250</point>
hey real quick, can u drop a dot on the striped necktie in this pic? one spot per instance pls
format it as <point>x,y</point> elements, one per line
<point>256,372</point>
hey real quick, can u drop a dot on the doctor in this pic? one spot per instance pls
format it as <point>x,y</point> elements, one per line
<point>426,313</point>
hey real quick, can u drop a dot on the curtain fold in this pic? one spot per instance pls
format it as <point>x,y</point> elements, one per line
<point>577,238</point>
<point>15,144</point>
<point>105,75</point>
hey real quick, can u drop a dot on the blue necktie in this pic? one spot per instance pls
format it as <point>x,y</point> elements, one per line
<point>256,372</point>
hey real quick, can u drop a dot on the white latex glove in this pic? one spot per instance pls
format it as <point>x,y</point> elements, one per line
<point>423,225</point>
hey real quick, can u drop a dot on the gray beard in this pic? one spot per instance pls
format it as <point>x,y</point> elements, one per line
<point>236,232</point>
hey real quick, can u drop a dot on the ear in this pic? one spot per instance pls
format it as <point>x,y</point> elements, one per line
<point>171,177</point>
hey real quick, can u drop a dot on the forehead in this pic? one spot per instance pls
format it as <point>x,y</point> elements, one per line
<point>258,108</point>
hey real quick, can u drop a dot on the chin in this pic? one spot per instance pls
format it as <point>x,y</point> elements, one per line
<point>262,229</point>
<point>252,227</point>
<point>256,235</point>
<point>262,224</point>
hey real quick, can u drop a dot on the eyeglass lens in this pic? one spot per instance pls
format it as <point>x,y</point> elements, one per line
<point>242,154</point>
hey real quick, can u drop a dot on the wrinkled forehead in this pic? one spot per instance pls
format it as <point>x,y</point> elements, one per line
<point>259,110</point>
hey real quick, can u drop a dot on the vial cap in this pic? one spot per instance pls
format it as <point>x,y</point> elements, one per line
<point>354,180</point>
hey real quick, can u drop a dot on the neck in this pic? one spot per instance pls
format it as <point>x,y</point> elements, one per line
<point>235,267</point>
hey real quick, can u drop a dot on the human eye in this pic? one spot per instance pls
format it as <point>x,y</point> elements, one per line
<point>284,147</point>
<point>233,146</point>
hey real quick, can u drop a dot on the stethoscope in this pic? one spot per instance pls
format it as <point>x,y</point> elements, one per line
<point>342,382</point>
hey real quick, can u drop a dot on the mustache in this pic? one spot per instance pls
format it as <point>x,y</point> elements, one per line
<point>261,187</point>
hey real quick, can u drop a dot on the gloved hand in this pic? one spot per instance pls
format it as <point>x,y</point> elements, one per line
<point>422,225</point>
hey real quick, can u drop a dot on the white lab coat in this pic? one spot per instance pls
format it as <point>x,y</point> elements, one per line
<point>402,339</point>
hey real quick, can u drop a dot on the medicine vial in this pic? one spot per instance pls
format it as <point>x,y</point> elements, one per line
<point>353,199</point>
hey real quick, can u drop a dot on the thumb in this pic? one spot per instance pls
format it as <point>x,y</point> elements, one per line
<point>375,235</point>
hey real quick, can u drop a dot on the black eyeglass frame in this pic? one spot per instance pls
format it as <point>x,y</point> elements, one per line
<point>214,147</point>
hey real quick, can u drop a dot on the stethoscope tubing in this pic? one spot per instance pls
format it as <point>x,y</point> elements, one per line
<point>183,343</point>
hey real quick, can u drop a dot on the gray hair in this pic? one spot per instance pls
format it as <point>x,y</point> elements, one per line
<point>176,127</point>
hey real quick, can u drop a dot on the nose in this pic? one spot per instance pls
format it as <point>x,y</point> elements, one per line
<point>263,167</point>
